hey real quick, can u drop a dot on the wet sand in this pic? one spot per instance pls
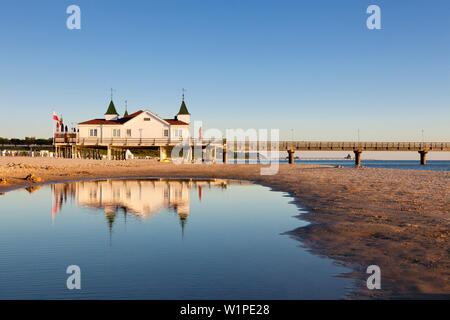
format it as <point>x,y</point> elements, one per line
<point>396,219</point>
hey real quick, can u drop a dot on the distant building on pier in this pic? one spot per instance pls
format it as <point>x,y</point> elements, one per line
<point>142,124</point>
<point>141,129</point>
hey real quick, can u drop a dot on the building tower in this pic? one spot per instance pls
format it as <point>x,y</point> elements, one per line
<point>111,113</point>
<point>183,114</point>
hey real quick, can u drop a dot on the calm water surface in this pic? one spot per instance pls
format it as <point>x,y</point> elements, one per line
<point>433,165</point>
<point>158,239</point>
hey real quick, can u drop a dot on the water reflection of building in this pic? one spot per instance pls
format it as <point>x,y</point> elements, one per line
<point>142,198</point>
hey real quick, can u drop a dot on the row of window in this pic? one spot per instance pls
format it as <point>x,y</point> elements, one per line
<point>116,133</point>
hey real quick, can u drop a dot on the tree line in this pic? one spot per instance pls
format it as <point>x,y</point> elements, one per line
<point>26,141</point>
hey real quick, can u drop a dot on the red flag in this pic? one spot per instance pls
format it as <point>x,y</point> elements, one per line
<point>55,117</point>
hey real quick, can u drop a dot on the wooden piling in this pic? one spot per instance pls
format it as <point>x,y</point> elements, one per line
<point>423,157</point>
<point>291,156</point>
<point>357,157</point>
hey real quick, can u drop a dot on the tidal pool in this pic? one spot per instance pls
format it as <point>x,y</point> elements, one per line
<point>158,239</point>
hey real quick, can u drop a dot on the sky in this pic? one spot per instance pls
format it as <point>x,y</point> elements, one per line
<point>309,68</point>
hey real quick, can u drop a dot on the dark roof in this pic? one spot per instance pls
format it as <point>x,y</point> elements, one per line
<point>100,121</point>
<point>118,121</point>
<point>111,109</point>
<point>128,118</point>
<point>131,116</point>
<point>176,122</point>
<point>183,109</point>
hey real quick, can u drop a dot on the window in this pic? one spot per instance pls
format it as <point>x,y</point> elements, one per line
<point>116,132</point>
<point>166,133</point>
<point>93,132</point>
<point>128,132</point>
<point>178,133</point>
<point>146,119</point>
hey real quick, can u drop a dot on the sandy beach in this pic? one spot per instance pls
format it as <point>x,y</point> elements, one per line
<point>397,219</point>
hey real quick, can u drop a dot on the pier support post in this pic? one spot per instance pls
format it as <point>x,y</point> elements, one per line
<point>291,156</point>
<point>224,151</point>
<point>357,157</point>
<point>423,157</point>
<point>162,153</point>
<point>108,153</point>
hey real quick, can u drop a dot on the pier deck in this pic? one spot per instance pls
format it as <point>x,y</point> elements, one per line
<point>69,142</point>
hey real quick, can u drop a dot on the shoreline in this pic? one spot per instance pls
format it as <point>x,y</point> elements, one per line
<point>397,219</point>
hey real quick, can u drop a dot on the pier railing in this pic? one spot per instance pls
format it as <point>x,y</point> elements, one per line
<point>147,142</point>
<point>338,146</point>
<point>68,143</point>
<point>65,138</point>
<point>366,146</point>
<point>72,139</point>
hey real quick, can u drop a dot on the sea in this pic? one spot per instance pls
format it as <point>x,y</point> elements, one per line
<point>432,165</point>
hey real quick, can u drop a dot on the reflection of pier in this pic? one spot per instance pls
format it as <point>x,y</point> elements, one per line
<point>142,198</point>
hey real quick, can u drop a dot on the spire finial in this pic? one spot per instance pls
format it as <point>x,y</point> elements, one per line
<point>112,90</point>
<point>183,91</point>
<point>126,109</point>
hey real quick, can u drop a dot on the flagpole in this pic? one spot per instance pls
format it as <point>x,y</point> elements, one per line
<point>53,129</point>
<point>53,134</point>
<point>52,190</point>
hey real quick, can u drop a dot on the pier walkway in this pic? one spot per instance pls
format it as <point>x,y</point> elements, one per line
<point>68,144</point>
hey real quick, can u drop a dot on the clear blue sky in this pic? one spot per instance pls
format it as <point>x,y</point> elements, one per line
<point>308,65</point>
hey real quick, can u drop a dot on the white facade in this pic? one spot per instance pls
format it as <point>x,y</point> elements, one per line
<point>184,117</point>
<point>140,125</point>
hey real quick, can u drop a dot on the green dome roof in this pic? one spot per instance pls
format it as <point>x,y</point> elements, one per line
<point>111,109</point>
<point>183,109</point>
